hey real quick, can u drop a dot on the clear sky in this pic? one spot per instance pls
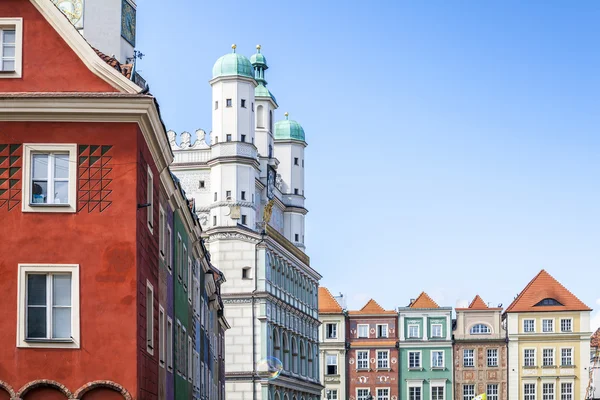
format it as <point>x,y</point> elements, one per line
<point>454,147</point>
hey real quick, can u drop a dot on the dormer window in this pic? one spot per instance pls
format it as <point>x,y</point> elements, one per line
<point>480,329</point>
<point>11,44</point>
<point>548,302</point>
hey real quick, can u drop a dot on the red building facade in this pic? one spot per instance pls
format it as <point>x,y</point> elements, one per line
<point>373,353</point>
<point>82,155</point>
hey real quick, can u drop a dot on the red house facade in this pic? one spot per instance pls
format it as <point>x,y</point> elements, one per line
<point>83,153</point>
<point>373,353</point>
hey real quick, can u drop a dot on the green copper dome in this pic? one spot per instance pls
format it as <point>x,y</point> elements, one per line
<point>258,58</point>
<point>288,129</point>
<point>233,64</point>
<point>262,91</point>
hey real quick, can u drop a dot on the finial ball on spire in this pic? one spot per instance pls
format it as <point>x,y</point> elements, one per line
<point>258,47</point>
<point>234,46</point>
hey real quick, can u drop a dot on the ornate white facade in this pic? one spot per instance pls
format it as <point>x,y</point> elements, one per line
<point>254,230</point>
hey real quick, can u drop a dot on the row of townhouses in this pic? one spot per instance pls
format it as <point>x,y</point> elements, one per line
<point>536,349</point>
<point>109,291</point>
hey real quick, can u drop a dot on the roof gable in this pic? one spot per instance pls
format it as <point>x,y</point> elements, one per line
<point>478,304</point>
<point>56,58</point>
<point>372,307</point>
<point>595,341</point>
<point>423,301</point>
<point>327,303</point>
<point>544,293</point>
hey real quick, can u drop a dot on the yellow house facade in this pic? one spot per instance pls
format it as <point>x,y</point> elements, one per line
<point>548,332</point>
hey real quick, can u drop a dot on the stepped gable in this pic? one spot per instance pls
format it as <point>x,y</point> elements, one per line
<point>543,287</point>
<point>327,303</point>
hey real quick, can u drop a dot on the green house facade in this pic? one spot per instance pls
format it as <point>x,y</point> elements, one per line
<point>426,368</point>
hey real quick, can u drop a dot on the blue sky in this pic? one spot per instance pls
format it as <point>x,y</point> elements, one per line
<point>454,147</point>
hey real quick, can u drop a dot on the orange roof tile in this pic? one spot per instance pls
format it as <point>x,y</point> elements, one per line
<point>372,307</point>
<point>544,286</point>
<point>595,341</point>
<point>478,304</point>
<point>124,69</point>
<point>327,303</point>
<point>373,343</point>
<point>424,301</point>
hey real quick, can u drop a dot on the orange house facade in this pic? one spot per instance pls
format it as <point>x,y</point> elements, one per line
<point>372,357</point>
<point>83,153</point>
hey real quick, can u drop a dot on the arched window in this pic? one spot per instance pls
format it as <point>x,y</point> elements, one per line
<point>260,118</point>
<point>286,352</point>
<point>549,302</point>
<point>480,329</point>
<point>271,120</point>
<point>276,345</point>
<point>302,359</point>
<point>294,355</point>
<point>310,361</point>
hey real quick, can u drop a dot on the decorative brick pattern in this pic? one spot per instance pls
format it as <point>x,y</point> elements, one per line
<point>11,163</point>
<point>101,384</point>
<point>72,396</point>
<point>43,383</point>
<point>5,386</point>
<point>95,177</point>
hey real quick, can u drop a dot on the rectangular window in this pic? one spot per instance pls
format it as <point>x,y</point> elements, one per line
<point>149,317</point>
<point>50,176</point>
<point>214,220</point>
<point>243,195</point>
<point>529,325</point>
<point>332,394</point>
<point>383,359</point>
<point>296,191</point>
<point>149,200</point>
<point>190,359</point>
<point>161,336</point>
<point>566,357</point>
<point>216,139</point>
<point>383,394</point>
<point>468,358</point>
<point>228,102</point>
<point>414,393</point>
<point>169,343</point>
<point>228,194</point>
<point>178,256</point>
<point>382,331</point>
<point>468,392</point>
<point>11,43</point>
<point>437,359</point>
<point>216,105</point>
<point>243,138</point>
<point>548,357</point>
<point>183,351</point>
<point>362,394</point>
<point>161,232</point>
<point>201,184</point>
<point>169,249</point>
<point>228,137</point>
<point>414,359</point>
<point>295,160</point>
<point>331,364</point>
<point>548,391</point>
<point>189,275</point>
<point>296,237</point>
<point>529,391</point>
<point>492,357</point>
<point>362,359</point>
<point>565,325</point>
<point>547,325</point>
<point>363,331</point>
<point>253,106</point>
<point>243,103</point>
<point>437,393</point>
<point>48,306</point>
<point>566,391</point>
<point>492,391</point>
<point>414,332</point>
<point>331,331</point>
<point>215,196</point>
<point>436,330</point>
<point>529,358</point>
<point>243,220</point>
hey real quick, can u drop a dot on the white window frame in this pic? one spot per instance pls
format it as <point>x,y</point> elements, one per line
<point>553,358</point>
<point>386,330</point>
<point>465,395</point>
<point>479,331</point>
<point>190,281</point>
<point>25,269</point>
<point>413,384</point>
<point>525,357</point>
<point>183,350</point>
<point>492,396</point>
<point>150,200</point>
<point>358,360</point>
<point>37,148</point>
<point>161,336</point>
<point>438,386</point>
<point>443,366</point>
<point>190,359</point>
<point>472,358</point>
<point>169,343</point>
<point>567,395</point>
<point>409,336</point>
<point>441,335</point>
<point>334,324</point>
<point>169,249</point>
<point>492,357</point>
<point>572,350</point>
<point>332,395</point>
<point>530,396</point>
<point>162,240</point>
<point>570,324</point>
<point>377,397</point>
<point>337,367</point>
<point>419,352</point>
<point>150,319</point>
<point>15,24</point>
<point>365,396</point>
<point>386,359</point>
<point>551,320</point>
<point>525,325</point>
<point>358,331</point>
<point>548,395</point>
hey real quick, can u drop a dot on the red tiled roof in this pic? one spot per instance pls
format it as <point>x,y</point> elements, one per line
<point>124,69</point>
<point>424,301</point>
<point>477,304</point>
<point>595,341</point>
<point>327,303</point>
<point>372,307</point>
<point>544,286</point>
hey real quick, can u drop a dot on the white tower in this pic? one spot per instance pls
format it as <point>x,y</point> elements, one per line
<point>265,106</point>
<point>289,150</point>
<point>234,164</point>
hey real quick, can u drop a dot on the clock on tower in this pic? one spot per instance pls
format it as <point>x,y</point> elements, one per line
<point>128,22</point>
<point>73,9</point>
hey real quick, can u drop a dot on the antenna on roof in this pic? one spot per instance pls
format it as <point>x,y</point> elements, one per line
<point>500,305</point>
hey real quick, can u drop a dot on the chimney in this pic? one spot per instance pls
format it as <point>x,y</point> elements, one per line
<point>411,301</point>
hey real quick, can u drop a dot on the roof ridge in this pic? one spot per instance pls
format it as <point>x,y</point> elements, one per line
<point>478,302</point>
<point>372,301</point>
<point>327,302</point>
<point>426,299</point>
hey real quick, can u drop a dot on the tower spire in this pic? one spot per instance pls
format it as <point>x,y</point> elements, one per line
<point>259,62</point>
